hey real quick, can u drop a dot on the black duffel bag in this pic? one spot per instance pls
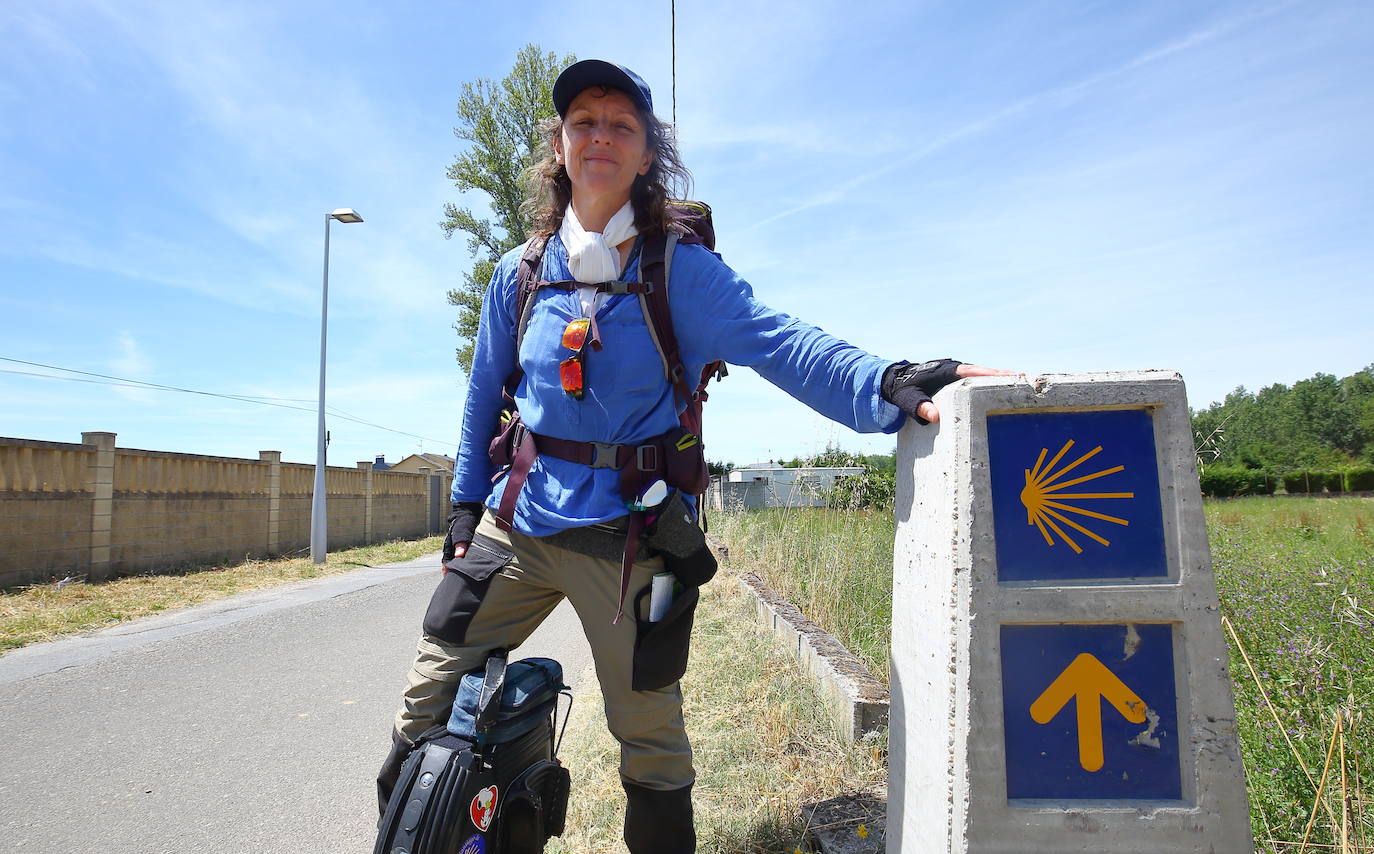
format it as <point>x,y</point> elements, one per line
<point>489,781</point>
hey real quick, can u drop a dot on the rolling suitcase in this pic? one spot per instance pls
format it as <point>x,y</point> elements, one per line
<point>489,782</point>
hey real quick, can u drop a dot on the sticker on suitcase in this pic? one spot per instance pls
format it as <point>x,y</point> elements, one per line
<point>482,809</point>
<point>474,844</point>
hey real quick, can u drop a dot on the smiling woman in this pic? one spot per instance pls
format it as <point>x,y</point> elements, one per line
<point>604,148</point>
<point>578,389</point>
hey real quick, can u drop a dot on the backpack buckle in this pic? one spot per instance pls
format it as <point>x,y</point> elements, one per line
<point>646,452</point>
<point>604,455</point>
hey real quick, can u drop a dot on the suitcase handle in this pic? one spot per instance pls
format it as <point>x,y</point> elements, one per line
<point>489,701</point>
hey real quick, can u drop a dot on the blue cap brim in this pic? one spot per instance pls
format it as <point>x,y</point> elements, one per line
<point>598,72</point>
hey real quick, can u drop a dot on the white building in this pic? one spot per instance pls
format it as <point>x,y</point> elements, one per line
<point>768,485</point>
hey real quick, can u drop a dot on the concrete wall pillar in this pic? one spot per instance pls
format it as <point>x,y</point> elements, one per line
<point>273,460</point>
<point>429,497</point>
<point>366,467</point>
<point>101,476</point>
<point>436,499</point>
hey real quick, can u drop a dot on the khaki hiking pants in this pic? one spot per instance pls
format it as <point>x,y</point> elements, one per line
<point>508,584</point>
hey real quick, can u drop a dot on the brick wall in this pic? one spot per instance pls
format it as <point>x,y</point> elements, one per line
<point>96,511</point>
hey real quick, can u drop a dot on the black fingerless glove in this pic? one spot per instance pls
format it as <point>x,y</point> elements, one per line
<point>462,521</point>
<point>907,386</point>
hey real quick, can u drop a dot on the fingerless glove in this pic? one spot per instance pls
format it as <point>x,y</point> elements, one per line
<point>907,385</point>
<point>462,521</point>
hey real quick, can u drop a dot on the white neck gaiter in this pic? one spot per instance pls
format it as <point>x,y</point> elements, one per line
<point>592,256</point>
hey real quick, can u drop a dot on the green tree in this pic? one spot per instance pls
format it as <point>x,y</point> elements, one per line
<point>1319,423</point>
<point>500,121</point>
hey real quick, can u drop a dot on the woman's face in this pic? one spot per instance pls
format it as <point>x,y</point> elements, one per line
<point>604,144</point>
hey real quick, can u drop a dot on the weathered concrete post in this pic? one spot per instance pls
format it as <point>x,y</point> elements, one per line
<point>101,473</point>
<point>273,460</point>
<point>1059,680</point>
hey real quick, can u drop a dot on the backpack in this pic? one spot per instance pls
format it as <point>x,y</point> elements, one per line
<point>489,781</point>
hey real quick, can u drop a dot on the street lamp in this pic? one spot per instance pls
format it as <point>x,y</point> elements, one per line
<point>319,522</point>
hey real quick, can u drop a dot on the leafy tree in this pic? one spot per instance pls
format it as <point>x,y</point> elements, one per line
<point>717,467</point>
<point>499,120</point>
<point>1320,423</point>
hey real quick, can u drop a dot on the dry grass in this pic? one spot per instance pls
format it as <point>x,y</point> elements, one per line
<point>763,746</point>
<point>835,565</point>
<point>44,612</point>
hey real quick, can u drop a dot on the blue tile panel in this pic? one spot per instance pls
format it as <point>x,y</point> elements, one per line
<point>1075,495</point>
<point>1123,677</point>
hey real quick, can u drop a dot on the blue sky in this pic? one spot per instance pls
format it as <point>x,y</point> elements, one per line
<point>1069,186</point>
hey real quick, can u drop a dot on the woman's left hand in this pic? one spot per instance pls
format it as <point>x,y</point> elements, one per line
<point>909,386</point>
<point>930,413</point>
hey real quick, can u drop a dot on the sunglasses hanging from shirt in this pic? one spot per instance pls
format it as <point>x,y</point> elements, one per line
<point>582,332</point>
<point>571,371</point>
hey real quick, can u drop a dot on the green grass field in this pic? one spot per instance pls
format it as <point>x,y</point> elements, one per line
<point>1296,581</point>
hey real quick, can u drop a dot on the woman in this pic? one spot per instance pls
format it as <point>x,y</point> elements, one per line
<point>605,178</point>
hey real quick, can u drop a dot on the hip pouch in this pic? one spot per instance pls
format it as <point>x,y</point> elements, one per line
<point>685,461</point>
<point>502,447</point>
<point>675,535</point>
<point>661,647</point>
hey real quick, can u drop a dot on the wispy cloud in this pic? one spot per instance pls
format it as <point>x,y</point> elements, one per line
<point>1058,96</point>
<point>133,363</point>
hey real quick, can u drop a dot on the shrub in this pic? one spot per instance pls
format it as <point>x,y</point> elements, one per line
<point>1228,481</point>
<point>1334,481</point>
<point>875,489</point>
<point>1302,481</point>
<point>1359,478</point>
<point>1261,483</point>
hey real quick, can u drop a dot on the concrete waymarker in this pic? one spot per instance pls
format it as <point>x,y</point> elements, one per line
<point>1059,681</point>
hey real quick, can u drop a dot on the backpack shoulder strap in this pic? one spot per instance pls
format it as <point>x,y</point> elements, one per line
<point>527,284</point>
<point>656,266</point>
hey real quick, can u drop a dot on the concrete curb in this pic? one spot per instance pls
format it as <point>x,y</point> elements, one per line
<point>856,701</point>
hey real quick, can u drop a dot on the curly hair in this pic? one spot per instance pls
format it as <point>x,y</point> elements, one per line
<point>550,189</point>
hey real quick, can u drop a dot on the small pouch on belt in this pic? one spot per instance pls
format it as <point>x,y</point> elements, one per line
<point>675,535</point>
<point>661,647</point>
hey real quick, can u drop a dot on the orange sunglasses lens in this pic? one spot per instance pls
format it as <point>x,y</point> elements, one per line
<point>570,375</point>
<point>575,334</point>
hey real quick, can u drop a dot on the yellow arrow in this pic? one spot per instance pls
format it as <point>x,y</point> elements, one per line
<point>1086,680</point>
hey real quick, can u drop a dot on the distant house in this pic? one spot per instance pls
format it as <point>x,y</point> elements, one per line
<point>436,463</point>
<point>769,485</point>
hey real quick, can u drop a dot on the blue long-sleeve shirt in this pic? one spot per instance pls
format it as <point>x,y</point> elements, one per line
<point>627,399</point>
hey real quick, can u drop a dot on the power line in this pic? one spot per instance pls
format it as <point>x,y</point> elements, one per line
<point>263,400</point>
<point>673,37</point>
<point>146,384</point>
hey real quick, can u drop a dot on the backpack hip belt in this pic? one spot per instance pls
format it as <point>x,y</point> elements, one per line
<point>676,457</point>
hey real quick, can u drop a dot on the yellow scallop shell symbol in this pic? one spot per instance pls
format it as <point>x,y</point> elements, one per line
<point>1044,501</point>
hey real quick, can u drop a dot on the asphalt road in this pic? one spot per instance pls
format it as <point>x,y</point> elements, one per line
<point>252,724</point>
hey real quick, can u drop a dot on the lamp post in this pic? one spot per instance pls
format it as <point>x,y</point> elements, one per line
<point>319,522</point>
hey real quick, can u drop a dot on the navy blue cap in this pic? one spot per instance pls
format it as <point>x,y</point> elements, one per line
<point>598,72</point>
